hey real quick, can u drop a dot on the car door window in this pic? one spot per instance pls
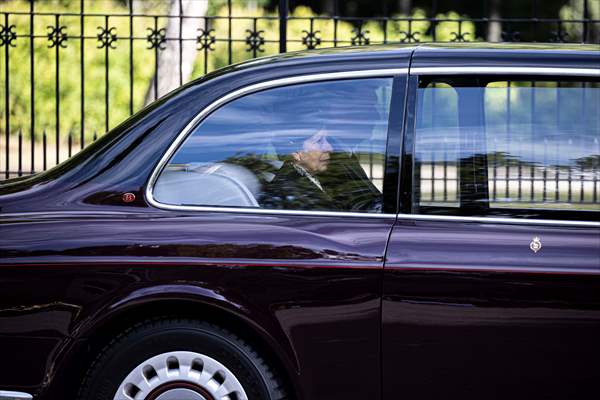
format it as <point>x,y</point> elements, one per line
<point>312,146</point>
<point>437,143</point>
<point>516,148</point>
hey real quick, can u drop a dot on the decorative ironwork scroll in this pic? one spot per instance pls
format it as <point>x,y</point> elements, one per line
<point>360,37</point>
<point>156,38</point>
<point>107,37</point>
<point>206,39</point>
<point>8,35</point>
<point>255,40</point>
<point>311,39</point>
<point>57,36</point>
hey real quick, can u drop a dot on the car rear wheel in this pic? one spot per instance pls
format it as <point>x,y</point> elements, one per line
<point>180,359</point>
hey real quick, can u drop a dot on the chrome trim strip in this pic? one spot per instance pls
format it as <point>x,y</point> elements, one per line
<point>52,214</point>
<point>484,269</point>
<point>492,220</point>
<point>189,262</point>
<point>505,70</point>
<point>10,395</point>
<point>241,92</point>
<point>246,210</point>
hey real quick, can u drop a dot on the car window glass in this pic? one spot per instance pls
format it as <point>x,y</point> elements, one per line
<point>437,142</point>
<point>514,148</point>
<point>314,146</point>
<point>543,141</point>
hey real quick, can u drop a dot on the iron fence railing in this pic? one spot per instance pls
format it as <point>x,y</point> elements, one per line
<point>31,142</point>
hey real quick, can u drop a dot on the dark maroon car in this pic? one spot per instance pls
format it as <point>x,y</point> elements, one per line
<point>366,223</point>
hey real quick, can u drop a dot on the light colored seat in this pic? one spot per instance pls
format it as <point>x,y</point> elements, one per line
<point>218,184</point>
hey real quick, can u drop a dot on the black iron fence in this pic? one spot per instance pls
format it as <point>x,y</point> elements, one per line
<point>69,76</point>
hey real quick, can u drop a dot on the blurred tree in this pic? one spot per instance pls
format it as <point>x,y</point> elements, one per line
<point>575,10</point>
<point>494,33</point>
<point>405,6</point>
<point>170,72</point>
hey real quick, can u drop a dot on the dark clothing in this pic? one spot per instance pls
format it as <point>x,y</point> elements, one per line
<point>290,190</point>
<point>345,187</point>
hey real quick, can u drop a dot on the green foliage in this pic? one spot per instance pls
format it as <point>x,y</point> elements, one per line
<point>325,29</point>
<point>573,10</point>
<point>70,70</point>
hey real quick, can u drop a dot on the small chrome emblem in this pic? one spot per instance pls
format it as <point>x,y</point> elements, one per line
<point>128,197</point>
<point>535,245</point>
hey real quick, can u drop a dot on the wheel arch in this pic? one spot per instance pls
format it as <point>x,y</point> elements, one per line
<point>84,347</point>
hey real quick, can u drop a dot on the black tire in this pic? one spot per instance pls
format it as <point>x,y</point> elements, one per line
<point>148,339</point>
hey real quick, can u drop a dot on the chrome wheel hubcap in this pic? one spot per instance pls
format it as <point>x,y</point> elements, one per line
<point>180,375</point>
<point>181,394</point>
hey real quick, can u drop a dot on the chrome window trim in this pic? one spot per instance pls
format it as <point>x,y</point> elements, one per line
<point>498,220</point>
<point>583,72</point>
<point>242,92</point>
<point>266,211</point>
<point>348,75</point>
<point>11,395</point>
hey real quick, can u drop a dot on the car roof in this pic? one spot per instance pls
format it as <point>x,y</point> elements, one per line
<point>547,55</point>
<point>470,54</point>
<point>521,46</point>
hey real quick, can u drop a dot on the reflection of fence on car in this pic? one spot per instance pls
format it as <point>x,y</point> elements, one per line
<point>373,167</point>
<point>520,184</point>
<point>439,184</point>
<point>536,143</point>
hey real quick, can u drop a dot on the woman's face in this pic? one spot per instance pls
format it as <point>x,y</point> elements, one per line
<point>315,153</point>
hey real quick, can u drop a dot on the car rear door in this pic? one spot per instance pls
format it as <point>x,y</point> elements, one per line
<point>492,279</point>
